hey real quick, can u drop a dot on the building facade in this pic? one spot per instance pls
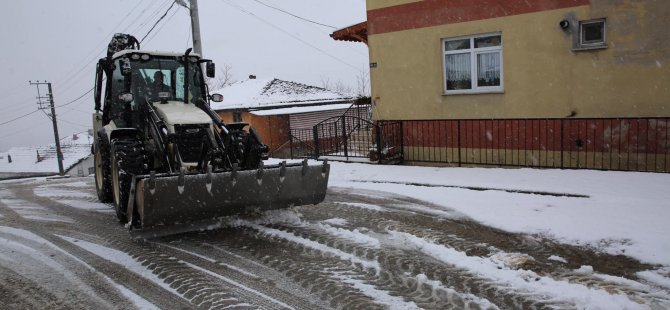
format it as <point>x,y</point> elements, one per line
<point>549,83</point>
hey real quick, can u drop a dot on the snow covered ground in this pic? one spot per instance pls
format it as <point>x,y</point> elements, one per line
<point>622,213</point>
<point>24,159</point>
<point>356,241</point>
<point>617,212</point>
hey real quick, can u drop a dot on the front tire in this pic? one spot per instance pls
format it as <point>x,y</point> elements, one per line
<point>127,161</point>
<point>103,182</point>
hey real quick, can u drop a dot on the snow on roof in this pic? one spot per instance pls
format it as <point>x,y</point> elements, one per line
<point>262,93</point>
<point>24,159</point>
<point>295,110</point>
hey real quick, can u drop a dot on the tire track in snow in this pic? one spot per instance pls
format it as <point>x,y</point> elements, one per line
<point>183,278</point>
<point>53,268</point>
<point>304,266</point>
<point>378,282</point>
<point>236,274</point>
<point>472,238</point>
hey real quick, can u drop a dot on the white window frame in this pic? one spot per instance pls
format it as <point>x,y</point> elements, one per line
<point>599,44</point>
<point>473,64</point>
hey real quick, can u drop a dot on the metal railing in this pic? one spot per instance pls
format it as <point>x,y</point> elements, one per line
<point>301,143</point>
<point>634,144</point>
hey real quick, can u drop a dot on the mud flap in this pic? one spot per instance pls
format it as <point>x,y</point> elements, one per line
<point>176,203</point>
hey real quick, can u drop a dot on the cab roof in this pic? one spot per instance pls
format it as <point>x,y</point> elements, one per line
<point>153,53</point>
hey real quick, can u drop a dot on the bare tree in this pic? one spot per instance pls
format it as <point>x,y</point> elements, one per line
<point>325,82</point>
<point>223,79</point>
<point>338,86</point>
<point>360,89</point>
<point>363,83</point>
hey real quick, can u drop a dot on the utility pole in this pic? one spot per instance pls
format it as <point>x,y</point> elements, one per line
<point>50,100</point>
<point>195,27</point>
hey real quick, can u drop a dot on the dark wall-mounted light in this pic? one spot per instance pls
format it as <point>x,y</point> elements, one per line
<point>564,24</point>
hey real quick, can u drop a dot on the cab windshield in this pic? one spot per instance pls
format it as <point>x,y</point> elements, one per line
<point>165,75</point>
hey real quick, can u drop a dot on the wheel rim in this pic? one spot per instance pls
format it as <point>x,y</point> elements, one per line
<point>98,169</point>
<point>115,183</point>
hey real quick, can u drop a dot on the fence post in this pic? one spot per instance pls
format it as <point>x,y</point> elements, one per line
<point>458,133</point>
<point>290,142</point>
<point>344,137</point>
<point>562,150</point>
<point>402,139</point>
<point>315,132</point>
<point>378,137</point>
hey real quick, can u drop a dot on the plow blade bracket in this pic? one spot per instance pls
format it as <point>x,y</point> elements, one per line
<point>175,203</point>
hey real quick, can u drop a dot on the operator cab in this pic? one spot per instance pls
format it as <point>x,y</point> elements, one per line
<point>156,77</point>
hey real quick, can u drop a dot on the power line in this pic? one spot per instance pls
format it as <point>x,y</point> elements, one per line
<point>73,101</point>
<point>289,34</point>
<point>78,72</point>
<point>163,25</point>
<point>158,21</point>
<point>81,69</point>
<point>73,123</point>
<point>96,48</point>
<point>296,16</point>
<point>22,129</point>
<point>18,118</point>
<point>160,7</point>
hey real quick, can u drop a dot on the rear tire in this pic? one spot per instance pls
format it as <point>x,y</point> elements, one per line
<point>127,161</point>
<point>103,178</point>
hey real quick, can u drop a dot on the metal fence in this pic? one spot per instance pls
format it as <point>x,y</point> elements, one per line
<point>302,143</point>
<point>637,144</point>
<point>349,137</point>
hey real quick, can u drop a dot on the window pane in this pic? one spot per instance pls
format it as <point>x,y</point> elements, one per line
<point>488,69</point>
<point>458,71</point>
<point>456,45</point>
<point>593,32</point>
<point>487,41</point>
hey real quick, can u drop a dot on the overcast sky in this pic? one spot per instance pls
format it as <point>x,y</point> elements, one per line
<point>60,41</point>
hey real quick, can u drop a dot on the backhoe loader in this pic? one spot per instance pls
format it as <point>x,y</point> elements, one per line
<point>167,161</point>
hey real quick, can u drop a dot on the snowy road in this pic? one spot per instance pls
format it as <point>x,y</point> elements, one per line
<point>60,248</point>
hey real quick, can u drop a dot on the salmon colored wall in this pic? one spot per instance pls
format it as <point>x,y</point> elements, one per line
<point>542,75</point>
<point>274,130</point>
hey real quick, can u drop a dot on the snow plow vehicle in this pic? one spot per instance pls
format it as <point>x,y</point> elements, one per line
<point>167,161</point>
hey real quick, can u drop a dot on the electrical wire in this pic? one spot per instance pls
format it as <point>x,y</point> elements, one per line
<point>72,76</point>
<point>78,98</point>
<point>291,35</point>
<point>17,106</point>
<point>66,85</point>
<point>158,21</point>
<point>97,45</point>
<point>161,27</point>
<point>156,12</point>
<point>22,129</point>
<point>19,117</point>
<point>73,123</point>
<point>296,16</point>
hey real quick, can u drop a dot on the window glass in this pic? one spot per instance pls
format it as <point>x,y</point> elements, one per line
<point>487,41</point>
<point>593,32</point>
<point>488,69</point>
<point>180,82</point>
<point>456,45</point>
<point>473,65</point>
<point>458,71</point>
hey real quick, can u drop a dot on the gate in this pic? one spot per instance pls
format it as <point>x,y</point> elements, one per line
<point>357,139</point>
